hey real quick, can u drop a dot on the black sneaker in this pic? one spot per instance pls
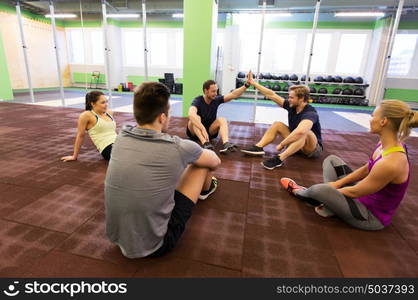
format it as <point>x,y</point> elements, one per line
<point>228,147</point>
<point>272,163</point>
<point>213,185</point>
<point>208,146</point>
<point>253,150</point>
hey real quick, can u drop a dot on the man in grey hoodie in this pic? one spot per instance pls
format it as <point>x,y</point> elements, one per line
<point>154,180</point>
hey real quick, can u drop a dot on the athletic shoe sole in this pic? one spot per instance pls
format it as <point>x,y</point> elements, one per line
<point>227,149</point>
<point>271,168</point>
<point>253,152</point>
<point>203,197</point>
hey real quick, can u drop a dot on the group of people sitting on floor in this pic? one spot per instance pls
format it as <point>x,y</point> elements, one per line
<point>154,180</point>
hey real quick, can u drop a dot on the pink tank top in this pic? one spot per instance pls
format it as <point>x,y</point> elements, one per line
<point>384,203</point>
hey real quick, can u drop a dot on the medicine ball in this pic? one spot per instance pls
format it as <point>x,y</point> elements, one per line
<point>347,91</point>
<point>329,79</point>
<point>303,78</point>
<point>239,83</point>
<point>312,90</point>
<point>260,76</point>
<point>293,77</point>
<point>359,92</point>
<point>241,75</point>
<point>274,77</point>
<point>322,90</point>
<point>285,77</point>
<point>338,79</point>
<point>348,79</point>
<point>280,77</point>
<point>267,76</point>
<point>318,79</point>
<point>266,85</point>
<point>358,80</point>
<point>337,91</point>
<point>276,87</point>
<point>286,88</point>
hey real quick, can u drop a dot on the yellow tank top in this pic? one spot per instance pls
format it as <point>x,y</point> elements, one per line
<point>103,133</point>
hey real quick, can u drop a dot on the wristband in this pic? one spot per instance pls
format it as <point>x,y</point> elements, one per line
<point>247,85</point>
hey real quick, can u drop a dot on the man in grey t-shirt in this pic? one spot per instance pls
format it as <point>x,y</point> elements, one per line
<point>154,180</point>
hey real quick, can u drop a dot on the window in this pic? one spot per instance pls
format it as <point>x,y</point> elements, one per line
<point>158,48</point>
<point>320,52</point>
<point>402,54</point>
<point>350,54</point>
<point>76,47</point>
<point>133,47</point>
<point>279,52</point>
<point>179,50</point>
<point>97,47</point>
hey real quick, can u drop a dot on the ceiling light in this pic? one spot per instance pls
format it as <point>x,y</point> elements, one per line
<point>178,16</point>
<point>359,14</point>
<point>122,16</point>
<point>61,16</point>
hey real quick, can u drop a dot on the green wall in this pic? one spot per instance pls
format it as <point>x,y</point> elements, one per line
<point>6,92</point>
<point>197,54</point>
<point>81,78</point>
<point>401,94</point>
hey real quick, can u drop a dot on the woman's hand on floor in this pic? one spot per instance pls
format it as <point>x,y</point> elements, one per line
<point>68,158</point>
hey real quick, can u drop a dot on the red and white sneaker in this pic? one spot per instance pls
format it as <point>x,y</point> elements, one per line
<point>290,185</point>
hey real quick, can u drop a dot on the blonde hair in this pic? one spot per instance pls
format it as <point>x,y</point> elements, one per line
<point>301,91</point>
<point>400,115</point>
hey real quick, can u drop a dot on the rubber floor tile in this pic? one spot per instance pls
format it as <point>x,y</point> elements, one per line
<point>90,240</point>
<point>230,196</point>
<point>64,209</point>
<point>372,254</point>
<point>61,264</point>
<point>290,250</point>
<point>234,170</point>
<point>170,266</point>
<point>22,245</point>
<point>15,197</point>
<point>214,237</point>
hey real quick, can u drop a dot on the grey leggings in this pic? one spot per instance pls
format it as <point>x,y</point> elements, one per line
<point>349,210</point>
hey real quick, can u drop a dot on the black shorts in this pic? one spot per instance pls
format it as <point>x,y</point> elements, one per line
<point>107,151</point>
<point>196,139</point>
<point>181,213</point>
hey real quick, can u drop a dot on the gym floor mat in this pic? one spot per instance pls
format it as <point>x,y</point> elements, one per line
<point>52,217</point>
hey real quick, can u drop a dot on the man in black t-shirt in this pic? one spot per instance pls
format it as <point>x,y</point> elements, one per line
<point>203,123</point>
<point>303,133</point>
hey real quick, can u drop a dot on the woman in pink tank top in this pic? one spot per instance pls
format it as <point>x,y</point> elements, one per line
<point>368,197</point>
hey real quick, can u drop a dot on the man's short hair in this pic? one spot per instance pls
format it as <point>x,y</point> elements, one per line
<point>207,84</point>
<point>301,91</point>
<point>150,100</point>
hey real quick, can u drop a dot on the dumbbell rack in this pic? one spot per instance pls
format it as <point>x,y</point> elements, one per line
<point>314,83</point>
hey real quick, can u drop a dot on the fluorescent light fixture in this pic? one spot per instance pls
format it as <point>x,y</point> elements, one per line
<point>178,16</point>
<point>61,16</point>
<point>359,14</point>
<point>122,16</point>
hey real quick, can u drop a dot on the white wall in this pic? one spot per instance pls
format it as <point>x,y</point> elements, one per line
<point>41,53</point>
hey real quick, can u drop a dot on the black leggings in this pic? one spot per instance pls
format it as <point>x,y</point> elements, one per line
<point>107,151</point>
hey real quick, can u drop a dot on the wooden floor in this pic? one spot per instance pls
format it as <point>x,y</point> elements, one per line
<point>52,217</point>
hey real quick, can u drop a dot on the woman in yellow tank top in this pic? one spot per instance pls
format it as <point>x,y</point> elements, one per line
<point>98,122</point>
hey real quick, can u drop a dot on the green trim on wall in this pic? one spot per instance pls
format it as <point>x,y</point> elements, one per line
<point>383,22</point>
<point>401,94</point>
<point>28,15</point>
<point>198,30</point>
<point>136,79</point>
<point>56,89</point>
<point>408,25</point>
<point>77,23</point>
<point>81,78</point>
<point>6,92</point>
